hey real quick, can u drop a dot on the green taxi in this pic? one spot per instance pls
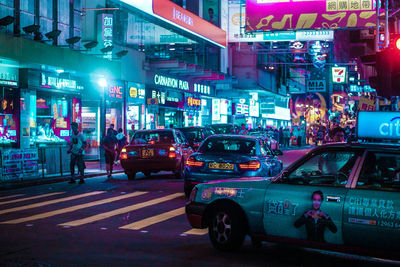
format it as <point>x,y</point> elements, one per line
<point>343,197</point>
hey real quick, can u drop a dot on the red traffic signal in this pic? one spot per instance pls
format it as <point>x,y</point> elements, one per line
<point>395,42</point>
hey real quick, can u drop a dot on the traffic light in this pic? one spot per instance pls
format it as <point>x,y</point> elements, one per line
<point>394,44</point>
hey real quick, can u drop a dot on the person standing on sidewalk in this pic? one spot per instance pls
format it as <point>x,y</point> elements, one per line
<point>109,143</point>
<point>77,147</point>
<point>286,137</point>
<point>121,142</point>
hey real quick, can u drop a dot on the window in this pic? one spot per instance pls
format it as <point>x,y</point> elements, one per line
<point>381,171</point>
<point>218,145</point>
<point>164,137</point>
<point>329,168</point>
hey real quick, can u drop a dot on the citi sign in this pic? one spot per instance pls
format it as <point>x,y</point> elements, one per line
<point>391,128</point>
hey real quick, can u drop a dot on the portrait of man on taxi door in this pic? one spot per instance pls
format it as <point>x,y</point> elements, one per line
<point>315,220</point>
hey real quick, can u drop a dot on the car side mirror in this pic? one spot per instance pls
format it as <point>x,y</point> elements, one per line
<point>285,175</point>
<point>278,152</point>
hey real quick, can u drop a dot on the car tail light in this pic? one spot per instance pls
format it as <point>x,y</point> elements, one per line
<point>172,148</point>
<point>192,162</point>
<point>123,154</point>
<point>172,155</point>
<point>251,165</point>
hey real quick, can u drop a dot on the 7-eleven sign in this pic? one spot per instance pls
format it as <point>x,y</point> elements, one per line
<point>339,74</point>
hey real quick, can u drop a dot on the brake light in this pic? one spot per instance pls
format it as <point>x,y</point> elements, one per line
<point>123,154</point>
<point>251,165</point>
<point>192,162</point>
<point>172,155</point>
<point>152,142</point>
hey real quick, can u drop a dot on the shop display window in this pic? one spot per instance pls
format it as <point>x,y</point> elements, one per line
<point>52,125</point>
<point>8,116</point>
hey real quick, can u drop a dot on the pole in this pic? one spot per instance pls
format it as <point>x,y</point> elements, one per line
<point>387,34</point>
<point>377,26</point>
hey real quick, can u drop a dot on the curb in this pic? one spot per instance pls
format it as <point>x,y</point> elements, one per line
<point>41,181</point>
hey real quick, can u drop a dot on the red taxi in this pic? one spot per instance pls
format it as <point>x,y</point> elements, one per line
<point>155,151</point>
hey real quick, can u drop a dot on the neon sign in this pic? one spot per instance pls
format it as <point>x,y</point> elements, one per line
<point>386,125</point>
<point>171,82</point>
<point>193,102</point>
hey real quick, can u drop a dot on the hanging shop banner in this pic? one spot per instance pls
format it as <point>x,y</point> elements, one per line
<point>238,34</point>
<point>189,21</point>
<point>339,74</point>
<point>366,104</point>
<point>193,103</point>
<point>115,90</point>
<point>241,109</point>
<point>386,125</point>
<point>106,22</point>
<point>77,111</point>
<point>254,110</point>
<point>264,15</point>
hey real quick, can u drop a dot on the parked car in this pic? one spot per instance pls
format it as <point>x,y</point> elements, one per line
<point>341,197</point>
<point>230,156</point>
<point>272,143</point>
<point>155,151</point>
<point>223,128</point>
<point>196,134</point>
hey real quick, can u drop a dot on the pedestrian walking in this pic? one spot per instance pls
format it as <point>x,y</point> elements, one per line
<point>286,137</point>
<point>131,132</point>
<point>121,142</point>
<point>109,143</point>
<point>243,130</point>
<point>112,128</point>
<point>76,149</point>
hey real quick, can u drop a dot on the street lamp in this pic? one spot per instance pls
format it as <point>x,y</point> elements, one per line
<point>102,82</point>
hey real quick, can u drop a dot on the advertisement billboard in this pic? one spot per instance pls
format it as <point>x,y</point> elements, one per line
<point>386,125</point>
<point>266,15</point>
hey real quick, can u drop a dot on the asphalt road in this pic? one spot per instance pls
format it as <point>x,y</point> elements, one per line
<point>128,223</point>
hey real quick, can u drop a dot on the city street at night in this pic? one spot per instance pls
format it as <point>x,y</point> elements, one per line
<point>128,223</point>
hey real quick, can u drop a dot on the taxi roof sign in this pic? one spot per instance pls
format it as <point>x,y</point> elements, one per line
<point>378,125</point>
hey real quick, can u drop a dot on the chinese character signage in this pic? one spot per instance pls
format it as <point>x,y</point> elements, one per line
<point>265,15</point>
<point>216,112</point>
<point>8,76</point>
<point>339,74</point>
<point>52,82</point>
<point>107,23</point>
<point>136,92</point>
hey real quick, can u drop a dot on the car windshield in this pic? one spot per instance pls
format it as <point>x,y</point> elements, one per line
<point>221,145</point>
<point>222,129</point>
<point>195,134</point>
<point>156,137</point>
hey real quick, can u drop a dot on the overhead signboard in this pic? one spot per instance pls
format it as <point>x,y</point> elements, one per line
<point>237,17</point>
<point>189,21</point>
<point>267,15</point>
<point>386,125</point>
<point>339,74</point>
<point>316,86</point>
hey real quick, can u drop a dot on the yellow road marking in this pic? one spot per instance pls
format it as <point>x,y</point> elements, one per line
<point>30,198</point>
<point>70,209</point>
<point>112,213</point>
<point>11,196</point>
<point>197,232</point>
<point>153,220</point>
<point>40,204</point>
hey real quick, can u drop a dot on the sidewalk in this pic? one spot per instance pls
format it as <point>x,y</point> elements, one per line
<point>93,169</point>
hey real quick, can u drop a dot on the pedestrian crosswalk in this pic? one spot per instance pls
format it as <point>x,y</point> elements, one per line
<point>166,207</point>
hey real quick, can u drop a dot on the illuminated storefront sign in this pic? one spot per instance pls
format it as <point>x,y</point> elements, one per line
<point>189,21</point>
<point>236,33</point>
<point>136,91</point>
<point>8,76</point>
<point>202,89</point>
<point>107,23</point>
<point>386,125</point>
<point>265,15</point>
<point>58,83</point>
<point>116,90</point>
<point>216,112</point>
<point>254,109</point>
<point>339,74</point>
<point>193,102</point>
<point>242,109</point>
<point>171,82</point>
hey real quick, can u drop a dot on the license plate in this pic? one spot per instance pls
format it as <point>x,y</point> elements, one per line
<point>147,153</point>
<point>220,166</point>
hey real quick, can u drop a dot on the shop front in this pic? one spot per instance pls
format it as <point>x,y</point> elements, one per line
<point>175,101</point>
<point>49,103</point>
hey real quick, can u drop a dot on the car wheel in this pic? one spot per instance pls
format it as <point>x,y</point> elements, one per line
<point>180,173</point>
<point>226,228</point>
<point>131,175</point>
<point>147,174</point>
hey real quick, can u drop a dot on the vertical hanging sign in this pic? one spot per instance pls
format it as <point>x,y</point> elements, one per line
<point>107,24</point>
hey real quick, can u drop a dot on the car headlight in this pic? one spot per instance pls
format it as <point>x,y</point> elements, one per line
<point>193,194</point>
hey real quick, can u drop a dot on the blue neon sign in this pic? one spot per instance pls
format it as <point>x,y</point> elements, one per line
<point>378,125</point>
